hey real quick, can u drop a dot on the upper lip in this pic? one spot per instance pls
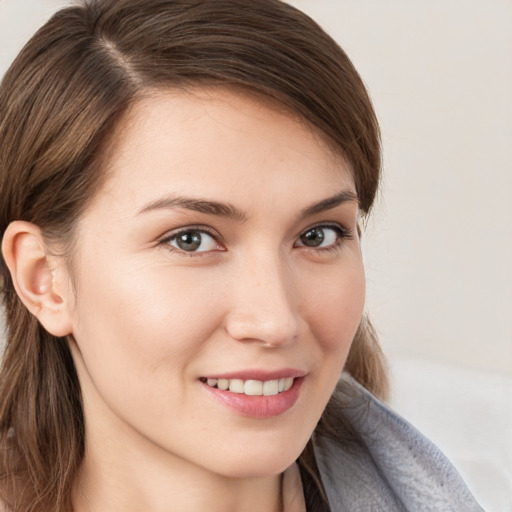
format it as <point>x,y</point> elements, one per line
<point>259,374</point>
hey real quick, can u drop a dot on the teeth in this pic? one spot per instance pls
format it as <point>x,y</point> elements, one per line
<point>252,387</point>
<point>222,384</point>
<point>236,386</point>
<point>270,387</point>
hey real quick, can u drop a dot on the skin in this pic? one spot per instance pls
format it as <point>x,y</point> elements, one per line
<point>149,319</point>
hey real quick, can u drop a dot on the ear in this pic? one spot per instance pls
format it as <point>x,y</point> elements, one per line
<point>40,279</point>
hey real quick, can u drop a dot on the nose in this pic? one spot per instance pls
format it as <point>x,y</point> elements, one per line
<point>263,303</point>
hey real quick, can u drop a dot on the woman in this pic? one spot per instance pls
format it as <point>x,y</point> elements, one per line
<point>182,188</point>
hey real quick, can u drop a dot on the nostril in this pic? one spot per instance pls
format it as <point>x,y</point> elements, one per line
<point>263,307</point>
<point>270,333</point>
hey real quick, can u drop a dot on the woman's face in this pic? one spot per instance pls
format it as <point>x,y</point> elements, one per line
<point>221,252</point>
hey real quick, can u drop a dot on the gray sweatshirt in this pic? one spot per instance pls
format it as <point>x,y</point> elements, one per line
<point>392,468</point>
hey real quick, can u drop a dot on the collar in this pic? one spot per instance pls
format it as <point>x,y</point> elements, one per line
<point>391,467</point>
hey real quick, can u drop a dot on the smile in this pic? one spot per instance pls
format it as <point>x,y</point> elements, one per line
<point>256,398</point>
<point>251,387</point>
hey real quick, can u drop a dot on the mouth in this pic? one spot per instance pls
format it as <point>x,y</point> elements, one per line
<point>267,398</point>
<point>251,387</point>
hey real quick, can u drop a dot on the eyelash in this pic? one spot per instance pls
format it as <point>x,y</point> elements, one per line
<point>342,235</point>
<point>189,229</point>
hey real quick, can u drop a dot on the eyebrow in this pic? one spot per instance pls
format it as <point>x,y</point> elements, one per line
<point>232,212</point>
<point>197,205</point>
<point>345,196</point>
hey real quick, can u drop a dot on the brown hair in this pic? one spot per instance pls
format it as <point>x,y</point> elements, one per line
<point>59,102</point>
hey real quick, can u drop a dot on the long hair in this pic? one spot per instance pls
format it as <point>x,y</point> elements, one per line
<point>61,100</point>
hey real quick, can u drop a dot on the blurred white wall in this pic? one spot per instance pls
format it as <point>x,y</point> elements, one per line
<point>439,247</point>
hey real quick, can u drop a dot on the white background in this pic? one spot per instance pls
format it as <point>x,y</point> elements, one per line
<point>439,247</point>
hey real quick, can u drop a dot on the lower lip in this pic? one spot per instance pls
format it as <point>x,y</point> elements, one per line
<point>259,406</point>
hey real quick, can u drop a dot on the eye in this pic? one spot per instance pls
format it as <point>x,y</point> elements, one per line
<point>320,237</point>
<point>193,240</point>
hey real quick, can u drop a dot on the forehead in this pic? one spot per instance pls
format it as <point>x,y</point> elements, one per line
<point>184,142</point>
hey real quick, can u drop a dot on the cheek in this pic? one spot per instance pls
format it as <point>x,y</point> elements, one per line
<point>137,319</point>
<point>335,306</point>
<point>139,331</point>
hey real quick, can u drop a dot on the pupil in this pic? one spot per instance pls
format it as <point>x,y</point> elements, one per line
<point>313,238</point>
<point>189,241</point>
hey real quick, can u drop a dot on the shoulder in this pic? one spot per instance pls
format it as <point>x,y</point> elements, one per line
<point>389,466</point>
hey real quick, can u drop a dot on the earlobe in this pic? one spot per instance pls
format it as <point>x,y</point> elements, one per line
<point>33,274</point>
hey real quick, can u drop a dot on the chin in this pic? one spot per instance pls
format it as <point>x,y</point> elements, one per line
<point>260,461</point>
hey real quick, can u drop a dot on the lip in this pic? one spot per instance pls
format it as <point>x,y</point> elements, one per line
<point>257,406</point>
<point>256,374</point>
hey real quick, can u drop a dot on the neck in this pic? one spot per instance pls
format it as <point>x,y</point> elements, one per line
<point>117,478</point>
<point>133,488</point>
